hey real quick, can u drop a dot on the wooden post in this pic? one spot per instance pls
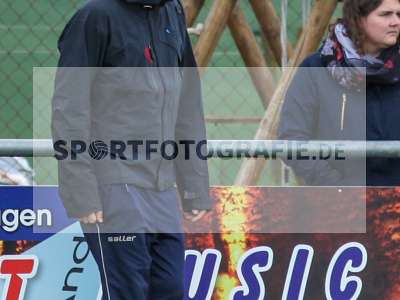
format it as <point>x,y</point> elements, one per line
<point>192,9</point>
<point>270,26</point>
<point>321,14</point>
<point>314,32</point>
<point>213,29</point>
<point>252,55</point>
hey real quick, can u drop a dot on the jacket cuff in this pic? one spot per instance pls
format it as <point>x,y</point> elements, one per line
<point>78,205</point>
<point>191,200</point>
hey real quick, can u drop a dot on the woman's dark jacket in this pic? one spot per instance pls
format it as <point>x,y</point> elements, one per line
<point>316,107</point>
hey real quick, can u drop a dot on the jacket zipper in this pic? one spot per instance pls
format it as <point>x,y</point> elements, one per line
<point>154,52</point>
<point>344,102</point>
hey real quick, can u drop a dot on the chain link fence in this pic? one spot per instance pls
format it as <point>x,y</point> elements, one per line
<point>29,30</point>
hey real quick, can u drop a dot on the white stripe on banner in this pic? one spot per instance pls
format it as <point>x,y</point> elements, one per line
<point>100,294</point>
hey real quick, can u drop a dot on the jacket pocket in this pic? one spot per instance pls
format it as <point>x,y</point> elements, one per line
<point>174,44</point>
<point>170,35</point>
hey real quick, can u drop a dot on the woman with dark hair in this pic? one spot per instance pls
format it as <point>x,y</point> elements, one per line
<point>351,92</point>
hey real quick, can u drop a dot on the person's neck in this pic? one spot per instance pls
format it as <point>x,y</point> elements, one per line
<point>370,49</point>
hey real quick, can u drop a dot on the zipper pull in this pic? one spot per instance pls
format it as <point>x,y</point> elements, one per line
<point>344,100</point>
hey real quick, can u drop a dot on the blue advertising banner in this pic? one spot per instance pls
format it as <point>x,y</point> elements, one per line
<point>28,213</point>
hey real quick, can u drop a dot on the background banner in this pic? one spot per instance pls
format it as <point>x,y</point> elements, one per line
<point>219,265</point>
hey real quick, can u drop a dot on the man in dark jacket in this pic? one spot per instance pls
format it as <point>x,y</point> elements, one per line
<point>127,75</point>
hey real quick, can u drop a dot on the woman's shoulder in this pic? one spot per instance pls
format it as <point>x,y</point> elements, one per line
<point>305,73</point>
<point>313,60</point>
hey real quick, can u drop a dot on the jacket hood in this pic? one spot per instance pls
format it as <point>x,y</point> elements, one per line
<point>148,2</point>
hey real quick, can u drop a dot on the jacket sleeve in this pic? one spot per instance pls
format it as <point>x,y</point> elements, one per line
<point>192,171</point>
<point>82,47</point>
<point>299,121</point>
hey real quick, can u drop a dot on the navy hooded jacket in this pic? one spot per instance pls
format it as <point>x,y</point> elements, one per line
<point>127,73</point>
<point>316,107</point>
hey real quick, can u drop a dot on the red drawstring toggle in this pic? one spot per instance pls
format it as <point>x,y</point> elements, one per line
<point>148,54</point>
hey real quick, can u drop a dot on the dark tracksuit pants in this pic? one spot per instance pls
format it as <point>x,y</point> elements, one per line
<point>139,248</point>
